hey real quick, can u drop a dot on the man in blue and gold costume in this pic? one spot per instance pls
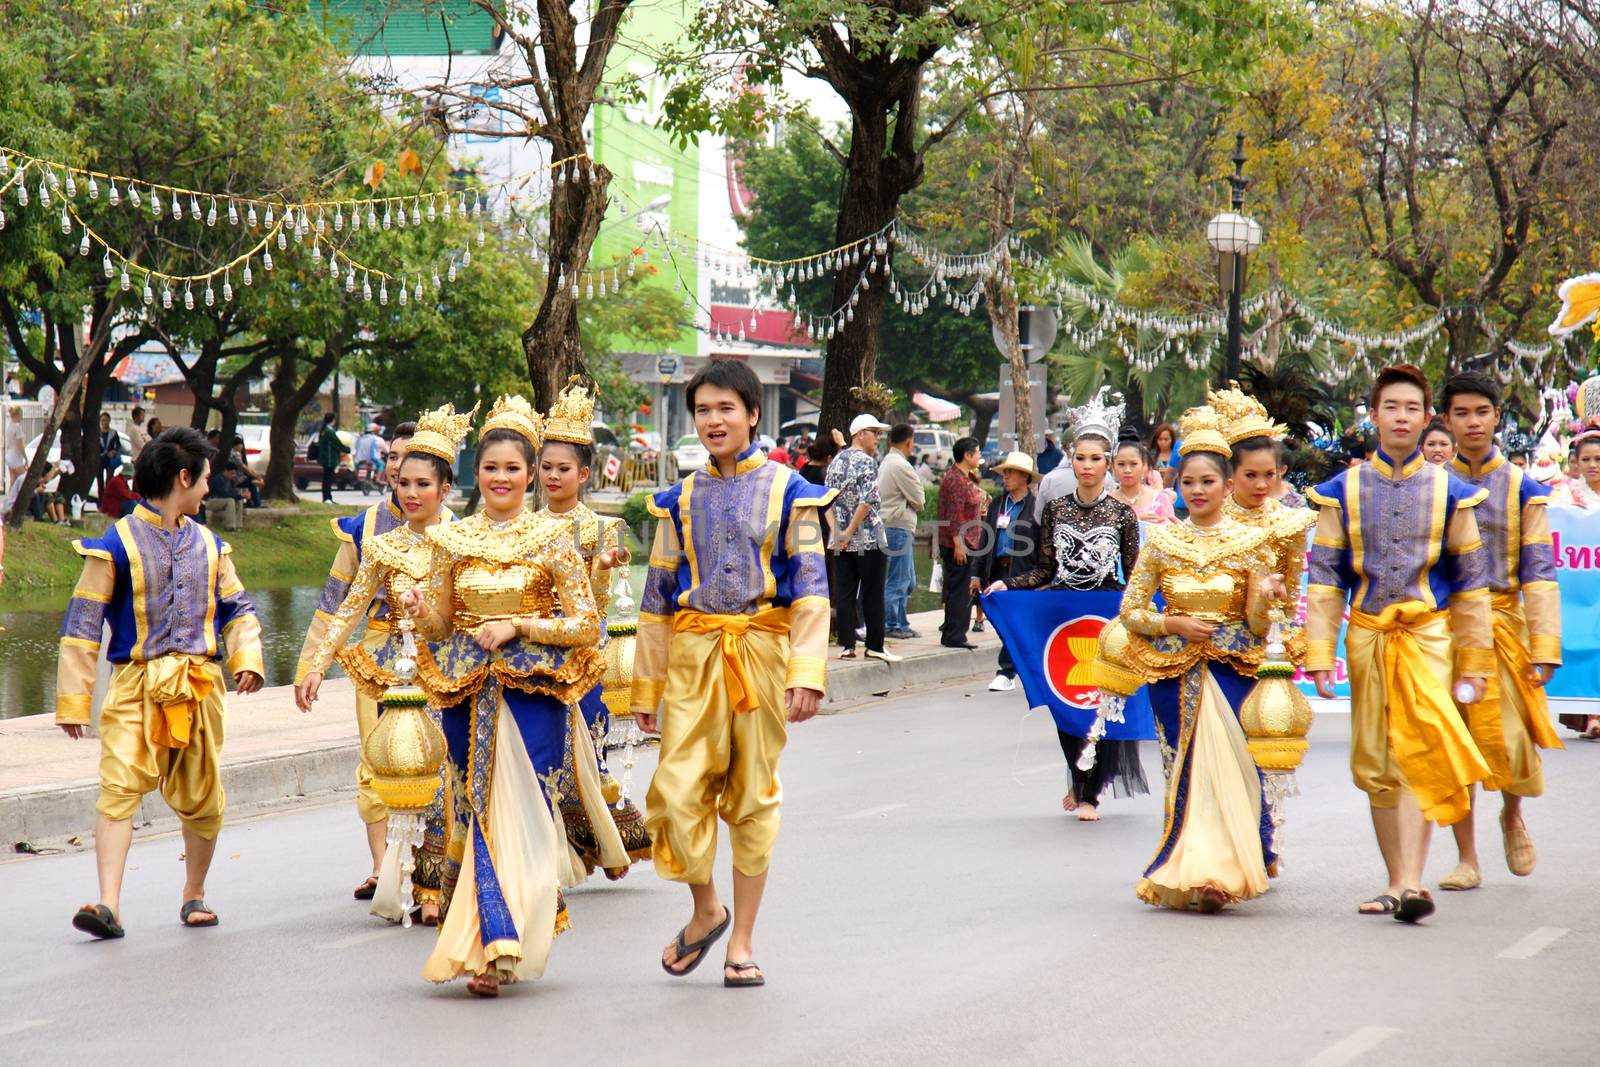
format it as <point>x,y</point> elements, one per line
<point>1396,536</point>
<point>352,532</point>
<point>167,588</point>
<point>1513,723</point>
<point>732,644</point>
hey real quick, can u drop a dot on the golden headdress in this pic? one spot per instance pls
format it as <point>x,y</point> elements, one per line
<point>1201,430</point>
<point>571,417</point>
<point>515,413</point>
<point>441,431</point>
<point>1243,416</point>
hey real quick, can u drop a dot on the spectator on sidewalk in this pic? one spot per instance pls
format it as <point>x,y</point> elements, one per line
<point>960,526</point>
<point>329,449</point>
<point>118,497</point>
<point>861,566</point>
<point>1010,544</point>
<point>370,449</point>
<point>50,501</point>
<point>900,496</point>
<point>245,480</point>
<point>110,453</point>
<point>1050,456</point>
<point>137,437</point>
<point>1053,486</point>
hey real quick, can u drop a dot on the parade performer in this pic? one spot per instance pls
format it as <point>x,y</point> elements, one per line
<point>602,829</point>
<point>1131,466</point>
<point>510,610</point>
<point>352,533</point>
<point>392,563</point>
<point>1254,439</point>
<point>167,588</point>
<point>733,634</point>
<point>1283,490</point>
<point>1198,654</point>
<point>1582,490</point>
<point>1512,723</point>
<point>1396,536</point>
<point>1089,540</point>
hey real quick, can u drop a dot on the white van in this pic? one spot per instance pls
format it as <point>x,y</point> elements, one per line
<point>934,444</point>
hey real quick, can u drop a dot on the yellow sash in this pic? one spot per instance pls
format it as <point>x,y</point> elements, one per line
<point>176,684</point>
<point>1508,646</point>
<point>1430,742</point>
<point>775,620</point>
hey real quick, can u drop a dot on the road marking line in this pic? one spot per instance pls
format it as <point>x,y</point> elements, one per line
<point>1534,943</point>
<point>1352,1047</point>
<point>361,938</point>
<point>27,1024</point>
<point>881,809</point>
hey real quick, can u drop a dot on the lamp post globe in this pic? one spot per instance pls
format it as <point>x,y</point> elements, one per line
<point>1233,236</point>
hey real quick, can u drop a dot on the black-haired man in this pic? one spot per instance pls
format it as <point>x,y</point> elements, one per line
<point>961,504</point>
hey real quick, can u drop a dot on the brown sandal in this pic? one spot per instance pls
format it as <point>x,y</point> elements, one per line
<point>366,890</point>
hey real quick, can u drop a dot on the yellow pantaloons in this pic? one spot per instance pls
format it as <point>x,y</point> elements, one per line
<point>143,705</point>
<point>716,761</point>
<point>368,806</point>
<point>1405,732</point>
<point>1515,721</point>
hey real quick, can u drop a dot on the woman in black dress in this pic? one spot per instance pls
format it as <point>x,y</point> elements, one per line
<point>1089,541</point>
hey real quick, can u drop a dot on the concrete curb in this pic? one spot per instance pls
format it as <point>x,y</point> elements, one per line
<point>49,813</point>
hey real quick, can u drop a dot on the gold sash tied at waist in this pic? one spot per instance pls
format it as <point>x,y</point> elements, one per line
<point>1509,647</point>
<point>176,684</point>
<point>1429,739</point>
<point>774,620</point>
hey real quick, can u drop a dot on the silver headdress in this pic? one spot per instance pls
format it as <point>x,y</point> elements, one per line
<point>1098,417</point>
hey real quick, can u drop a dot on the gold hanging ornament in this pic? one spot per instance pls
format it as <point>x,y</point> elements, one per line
<point>1276,717</point>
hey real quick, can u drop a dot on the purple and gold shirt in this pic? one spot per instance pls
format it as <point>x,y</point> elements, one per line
<point>734,546</point>
<point>162,592</point>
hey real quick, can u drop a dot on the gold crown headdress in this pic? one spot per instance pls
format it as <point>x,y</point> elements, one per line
<point>1243,416</point>
<point>515,413</point>
<point>1201,430</point>
<point>441,431</point>
<point>571,417</point>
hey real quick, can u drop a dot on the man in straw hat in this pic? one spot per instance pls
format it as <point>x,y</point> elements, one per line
<point>861,565</point>
<point>1010,543</point>
<point>1397,537</point>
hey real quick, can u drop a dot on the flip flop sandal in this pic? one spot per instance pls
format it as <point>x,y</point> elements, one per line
<point>97,920</point>
<point>682,948</point>
<point>1389,904</point>
<point>191,907</point>
<point>366,890</point>
<point>1414,907</point>
<point>742,981</point>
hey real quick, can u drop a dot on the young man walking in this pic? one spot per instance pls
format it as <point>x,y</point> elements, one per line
<point>1513,722</point>
<point>732,646</point>
<point>1396,536</point>
<point>901,494</point>
<point>860,565</point>
<point>329,448</point>
<point>961,503</point>
<point>168,589</point>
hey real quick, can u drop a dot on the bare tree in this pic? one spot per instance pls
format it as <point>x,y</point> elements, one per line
<point>546,94</point>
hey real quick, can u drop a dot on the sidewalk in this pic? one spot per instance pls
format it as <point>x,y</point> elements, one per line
<point>273,753</point>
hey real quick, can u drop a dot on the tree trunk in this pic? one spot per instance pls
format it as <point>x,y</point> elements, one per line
<point>66,400</point>
<point>551,343</point>
<point>1461,329</point>
<point>289,399</point>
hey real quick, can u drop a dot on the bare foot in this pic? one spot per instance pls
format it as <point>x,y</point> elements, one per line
<point>430,915</point>
<point>1211,900</point>
<point>483,985</point>
<point>1088,813</point>
<point>618,874</point>
<point>1069,802</point>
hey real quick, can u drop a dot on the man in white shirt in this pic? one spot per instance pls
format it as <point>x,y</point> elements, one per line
<point>137,438</point>
<point>900,497</point>
<point>1057,483</point>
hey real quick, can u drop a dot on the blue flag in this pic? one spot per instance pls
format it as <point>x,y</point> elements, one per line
<point>1053,635</point>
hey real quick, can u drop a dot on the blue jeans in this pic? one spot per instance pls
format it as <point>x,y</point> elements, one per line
<point>901,580</point>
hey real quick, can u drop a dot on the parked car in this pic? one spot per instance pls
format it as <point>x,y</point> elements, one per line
<point>689,454</point>
<point>308,472</point>
<point>257,443</point>
<point>933,444</point>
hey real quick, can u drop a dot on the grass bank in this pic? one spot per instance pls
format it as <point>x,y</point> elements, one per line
<point>39,558</point>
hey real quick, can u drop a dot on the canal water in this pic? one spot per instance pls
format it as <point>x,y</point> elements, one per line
<point>32,626</point>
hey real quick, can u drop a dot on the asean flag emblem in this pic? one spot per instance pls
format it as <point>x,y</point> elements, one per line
<point>1069,655</point>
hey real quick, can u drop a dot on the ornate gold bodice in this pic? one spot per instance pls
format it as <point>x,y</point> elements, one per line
<point>522,570</point>
<point>1286,529</point>
<point>399,561</point>
<point>1202,572</point>
<point>593,536</point>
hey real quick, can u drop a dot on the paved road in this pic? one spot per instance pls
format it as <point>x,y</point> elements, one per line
<point>930,904</point>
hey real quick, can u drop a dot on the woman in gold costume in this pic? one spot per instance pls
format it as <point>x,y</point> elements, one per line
<point>1255,443</point>
<point>393,563</point>
<point>1197,656</point>
<point>509,604</point>
<point>602,829</point>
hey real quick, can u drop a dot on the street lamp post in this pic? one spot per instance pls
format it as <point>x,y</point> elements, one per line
<point>1233,236</point>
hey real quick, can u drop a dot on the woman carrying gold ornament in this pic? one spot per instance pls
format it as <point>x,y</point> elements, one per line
<point>602,829</point>
<point>1198,655</point>
<point>512,613</point>
<point>1255,440</point>
<point>391,564</point>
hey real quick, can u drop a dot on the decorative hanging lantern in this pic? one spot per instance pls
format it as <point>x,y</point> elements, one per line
<point>1276,718</point>
<point>616,686</point>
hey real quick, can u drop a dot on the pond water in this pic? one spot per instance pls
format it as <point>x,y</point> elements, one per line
<point>28,643</point>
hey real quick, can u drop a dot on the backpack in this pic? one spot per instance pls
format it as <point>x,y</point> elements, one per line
<point>311,450</point>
